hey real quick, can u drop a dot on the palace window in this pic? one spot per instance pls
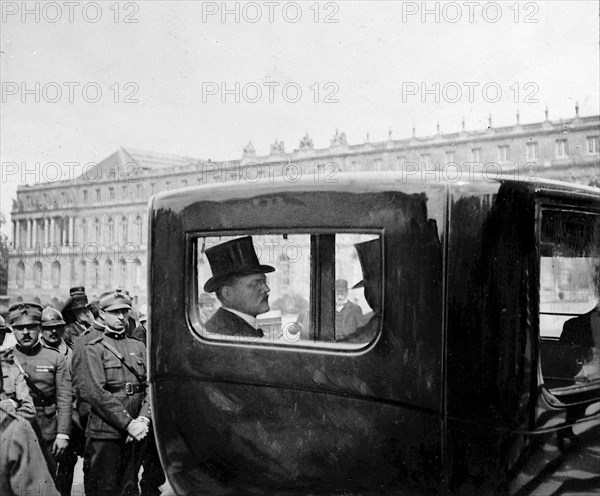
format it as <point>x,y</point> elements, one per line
<point>532,150</point>
<point>84,231</point>
<point>82,274</point>
<point>111,193</point>
<point>37,274</point>
<point>137,272</point>
<point>476,154</point>
<point>111,231</point>
<point>400,159</point>
<point>123,272</point>
<point>562,148</point>
<point>98,195</point>
<point>20,275</point>
<point>95,274</point>
<point>108,274</point>
<point>449,156</point>
<point>593,142</point>
<point>503,153</point>
<point>97,230</point>
<point>55,274</point>
<point>124,230</point>
<point>138,230</point>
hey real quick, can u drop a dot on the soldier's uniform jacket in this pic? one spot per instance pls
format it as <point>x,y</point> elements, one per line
<point>113,391</point>
<point>47,369</point>
<point>14,386</point>
<point>77,376</point>
<point>23,469</point>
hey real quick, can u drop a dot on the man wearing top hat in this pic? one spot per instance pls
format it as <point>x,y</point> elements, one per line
<point>348,315</point>
<point>369,255</point>
<point>239,282</point>
<point>114,377</point>
<point>77,315</point>
<point>14,392</point>
<point>49,381</point>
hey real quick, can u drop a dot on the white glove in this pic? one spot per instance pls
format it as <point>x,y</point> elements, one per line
<point>137,429</point>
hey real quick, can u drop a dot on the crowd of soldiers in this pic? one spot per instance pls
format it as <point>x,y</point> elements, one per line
<point>75,385</point>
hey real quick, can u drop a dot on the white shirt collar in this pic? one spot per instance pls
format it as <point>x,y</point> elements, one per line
<point>248,318</point>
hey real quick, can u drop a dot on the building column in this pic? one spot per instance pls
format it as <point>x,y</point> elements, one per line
<point>16,233</point>
<point>29,237</point>
<point>71,229</point>
<point>63,232</point>
<point>34,228</point>
<point>46,233</point>
<point>52,233</point>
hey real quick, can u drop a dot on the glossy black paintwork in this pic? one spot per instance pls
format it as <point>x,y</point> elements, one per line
<point>433,404</point>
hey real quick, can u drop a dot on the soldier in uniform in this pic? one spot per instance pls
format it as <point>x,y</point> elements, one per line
<point>14,393</point>
<point>77,376</point>
<point>49,381</point>
<point>53,328</point>
<point>153,476</point>
<point>77,314</point>
<point>140,330</point>
<point>114,376</point>
<point>22,466</point>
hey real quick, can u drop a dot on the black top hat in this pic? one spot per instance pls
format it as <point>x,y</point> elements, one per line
<point>369,255</point>
<point>235,257</point>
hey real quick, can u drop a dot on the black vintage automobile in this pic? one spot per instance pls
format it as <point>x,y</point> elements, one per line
<point>462,376</point>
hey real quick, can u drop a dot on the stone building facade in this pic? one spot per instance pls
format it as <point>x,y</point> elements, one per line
<point>92,230</point>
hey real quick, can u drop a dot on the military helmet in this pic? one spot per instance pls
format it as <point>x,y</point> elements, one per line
<point>3,326</point>
<point>51,317</point>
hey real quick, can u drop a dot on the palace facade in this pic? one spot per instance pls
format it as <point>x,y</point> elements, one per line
<point>92,230</point>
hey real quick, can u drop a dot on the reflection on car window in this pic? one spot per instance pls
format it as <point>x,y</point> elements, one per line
<point>321,289</point>
<point>569,298</point>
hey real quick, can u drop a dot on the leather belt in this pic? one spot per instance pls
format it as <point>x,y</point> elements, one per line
<point>129,388</point>
<point>41,402</point>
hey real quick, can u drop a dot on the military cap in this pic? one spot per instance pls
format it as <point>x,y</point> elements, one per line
<point>51,317</point>
<point>3,326</point>
<point>77,300</point>
<point>25,313</point>
<point>115,300</point>
<point>77,291</point>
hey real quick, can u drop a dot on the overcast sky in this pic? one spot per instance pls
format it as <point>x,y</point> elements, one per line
<point>361,72</point>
